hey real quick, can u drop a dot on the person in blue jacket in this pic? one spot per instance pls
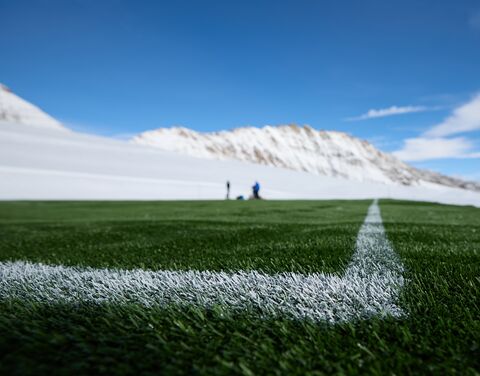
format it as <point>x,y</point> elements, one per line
<point>256,190</point>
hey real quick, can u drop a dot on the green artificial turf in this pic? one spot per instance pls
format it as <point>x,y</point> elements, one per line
<point>439,246</point>
<point>268,236</point>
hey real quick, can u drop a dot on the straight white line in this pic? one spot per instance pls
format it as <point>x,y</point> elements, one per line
<point>369,287</point>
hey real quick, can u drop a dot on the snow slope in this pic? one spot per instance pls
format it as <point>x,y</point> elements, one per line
<point>328,153</point>
<point>14,109</point>
<point>38,163</point>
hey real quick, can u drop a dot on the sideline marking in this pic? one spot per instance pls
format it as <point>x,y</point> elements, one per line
<point>369,287</point>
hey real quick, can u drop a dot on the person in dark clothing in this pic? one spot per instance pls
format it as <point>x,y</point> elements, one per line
<point>256,190</point>
<point>228,189</point>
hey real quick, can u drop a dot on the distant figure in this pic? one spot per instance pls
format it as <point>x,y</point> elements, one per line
<point>256,190</point>
<point>228,189</point>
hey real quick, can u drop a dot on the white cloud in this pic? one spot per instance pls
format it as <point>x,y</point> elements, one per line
<point>465,118</point>
<point>390,111</point>
<point>435,143</point>
<point>421,149</point>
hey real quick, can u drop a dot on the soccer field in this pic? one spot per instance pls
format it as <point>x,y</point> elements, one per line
<point>266,287</point>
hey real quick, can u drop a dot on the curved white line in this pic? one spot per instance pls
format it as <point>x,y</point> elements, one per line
<point>369,287</point>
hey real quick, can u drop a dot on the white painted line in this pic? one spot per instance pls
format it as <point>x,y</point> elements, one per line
<point>369,287</point>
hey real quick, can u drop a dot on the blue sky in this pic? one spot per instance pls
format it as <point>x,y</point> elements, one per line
<point>392,72</point>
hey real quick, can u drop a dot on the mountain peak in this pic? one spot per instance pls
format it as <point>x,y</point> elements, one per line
<point>5,88</point>
<point>14,109</point>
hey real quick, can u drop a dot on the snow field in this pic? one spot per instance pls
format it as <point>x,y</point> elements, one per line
<point>369,286</point>
<point>43,164</point>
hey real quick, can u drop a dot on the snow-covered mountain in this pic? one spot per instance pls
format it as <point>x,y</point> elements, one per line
<point>14,109</point>
<point>327,153</point>
<point>37,161</point>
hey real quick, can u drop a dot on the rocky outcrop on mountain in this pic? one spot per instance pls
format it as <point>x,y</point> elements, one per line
<point>300,148</point>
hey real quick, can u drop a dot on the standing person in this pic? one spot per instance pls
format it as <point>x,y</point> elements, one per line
<point>256,190</point>
<point>228,189</point>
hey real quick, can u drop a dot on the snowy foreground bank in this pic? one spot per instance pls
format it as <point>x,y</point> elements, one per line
<point>37,163</point>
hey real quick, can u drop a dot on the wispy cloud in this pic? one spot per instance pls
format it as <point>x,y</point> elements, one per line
<point>465,118</point>
<point>390,111</point>
<point>435,143</point>
<point>421,149</point>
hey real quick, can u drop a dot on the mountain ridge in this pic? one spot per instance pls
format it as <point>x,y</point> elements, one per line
<point>300,148</point>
